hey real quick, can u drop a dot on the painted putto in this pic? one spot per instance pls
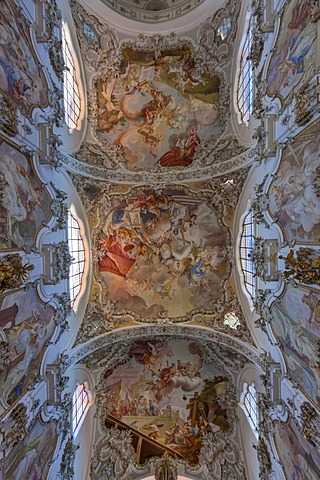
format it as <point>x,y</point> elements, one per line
<point>162,253</point>
<point>167,396</point>
<point>158,109</point>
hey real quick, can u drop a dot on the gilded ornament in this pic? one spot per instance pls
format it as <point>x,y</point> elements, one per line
<point>303,266</point>
<point>13,273</point>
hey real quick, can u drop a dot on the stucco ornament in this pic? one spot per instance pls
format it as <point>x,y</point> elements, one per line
<point>113,455</point>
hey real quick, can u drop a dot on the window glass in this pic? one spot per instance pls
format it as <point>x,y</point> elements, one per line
<point>245,83</point>
<point>250,405</point>
<point>246,246</point>
<point>224,28</point>
<point>79,405</point>
<point>71,94</point>
<point>77,253</point>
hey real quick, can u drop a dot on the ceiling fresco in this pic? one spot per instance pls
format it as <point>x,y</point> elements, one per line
<point>159,103</point>
<point>294,195</point>
<point>159,110</point>
<point>24,202</point>
<point>295,52</point>
<point>296,322</point>
<point>21,78</point>
<point>162,253</point>
<point>166,394</point>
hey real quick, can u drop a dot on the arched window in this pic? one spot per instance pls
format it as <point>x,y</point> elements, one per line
<point>245,82</point>
<point>251,405</point>
<point>71,93</point>
<point>77,253</point>
<point>80,405</point>
<point>246,246</point>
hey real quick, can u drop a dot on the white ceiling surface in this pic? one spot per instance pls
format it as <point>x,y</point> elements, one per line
<point>179,24</point>
<point>152,11</point>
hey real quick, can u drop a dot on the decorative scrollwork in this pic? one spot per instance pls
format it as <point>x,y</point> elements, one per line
<point>67,461</point>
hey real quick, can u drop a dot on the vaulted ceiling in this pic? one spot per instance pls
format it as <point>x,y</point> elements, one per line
<point>160,172</point>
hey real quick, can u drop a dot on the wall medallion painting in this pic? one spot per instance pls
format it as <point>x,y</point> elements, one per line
<point>166,396</point>
<point>26,324</point>
<point>296,322</point>
<point>294,59</point>
<point>159,109</point>
<point>21,77</point>
<point>295,193</point>
<point>24,203</point>
<point>300,460</point>
<point>31,458</point>
<point>161,253</point>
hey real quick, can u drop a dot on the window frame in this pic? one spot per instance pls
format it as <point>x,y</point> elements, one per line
<point>250,405</point>
<point>245,85</point>
<point>245,251</point>
<point>71,91</point>
<point>81,401</point>
<point>78,256</point>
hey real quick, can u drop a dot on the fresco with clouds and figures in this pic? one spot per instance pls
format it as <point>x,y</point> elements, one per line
<point>296,322</point>
<point>26,324</point>
<point>21,77</point>
<point>24,203</point>
<point>162,253</point>
<point>294,59</point>
<point>295,192</point>
<point>158,110</point>
<point>32,457</point>
<point>300,460</point>
<point>166,394</point>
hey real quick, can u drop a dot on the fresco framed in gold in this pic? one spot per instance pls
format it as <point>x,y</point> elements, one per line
<point>32,457</point>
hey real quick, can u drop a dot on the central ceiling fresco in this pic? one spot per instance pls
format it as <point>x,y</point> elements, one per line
<point>158,253</point>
